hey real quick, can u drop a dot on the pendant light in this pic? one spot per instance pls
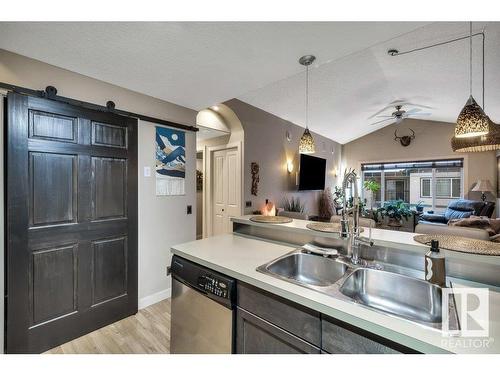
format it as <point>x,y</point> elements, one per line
<point>306,143</point>
<point>487,142</point>
<point>472,121</point>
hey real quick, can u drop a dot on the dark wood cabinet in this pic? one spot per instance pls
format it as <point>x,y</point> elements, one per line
<point>255,335</point>
<point>269,324</point>
<point>338,338</point>
<point>292,317</point>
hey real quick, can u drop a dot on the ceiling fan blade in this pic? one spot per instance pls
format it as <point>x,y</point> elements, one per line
<point>382,110</point>
<point>417,105</point>
<point>378,122</point>
<point>413,110</point>
<point>386,116</point>
<point>420,114</point>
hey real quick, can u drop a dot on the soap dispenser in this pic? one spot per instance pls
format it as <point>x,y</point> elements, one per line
<point>435,272</point>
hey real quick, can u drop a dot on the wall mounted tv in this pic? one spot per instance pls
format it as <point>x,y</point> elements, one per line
<point>312,173</point>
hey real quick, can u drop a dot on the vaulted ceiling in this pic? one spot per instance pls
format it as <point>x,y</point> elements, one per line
<point>200,64</point>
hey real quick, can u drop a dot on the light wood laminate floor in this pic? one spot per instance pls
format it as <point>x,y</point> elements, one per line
<point>146,332</point>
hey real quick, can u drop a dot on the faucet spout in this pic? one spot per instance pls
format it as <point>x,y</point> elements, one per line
<point>348,231</point>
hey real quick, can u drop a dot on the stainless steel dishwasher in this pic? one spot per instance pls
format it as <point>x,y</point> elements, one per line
<point>202,313</point>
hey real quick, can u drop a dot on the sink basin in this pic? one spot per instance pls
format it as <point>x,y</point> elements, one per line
<point>307,269</point>
<point>396,294</point>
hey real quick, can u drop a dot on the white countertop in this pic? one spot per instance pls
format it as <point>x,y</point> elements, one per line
<point>238,257</point>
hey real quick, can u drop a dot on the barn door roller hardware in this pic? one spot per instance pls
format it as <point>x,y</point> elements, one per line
<point>50,92</point>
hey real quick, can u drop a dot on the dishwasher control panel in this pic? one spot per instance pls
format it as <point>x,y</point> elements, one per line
<point>214,285</point>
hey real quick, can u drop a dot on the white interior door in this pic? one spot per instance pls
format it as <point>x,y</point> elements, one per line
<point>233,187</point>
<point>219,199</point>
<point>225,189</point>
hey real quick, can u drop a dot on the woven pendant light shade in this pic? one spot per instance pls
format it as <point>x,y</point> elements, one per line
<point>488,142</point>
<point>472,121</point>
<point>306,144</point>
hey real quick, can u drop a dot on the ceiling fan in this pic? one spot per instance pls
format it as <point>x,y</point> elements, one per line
<point>400,114</point>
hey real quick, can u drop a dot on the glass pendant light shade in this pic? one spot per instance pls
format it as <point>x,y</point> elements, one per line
<point>487,142</point>
<point>306,144</point>
<point>472,121</point>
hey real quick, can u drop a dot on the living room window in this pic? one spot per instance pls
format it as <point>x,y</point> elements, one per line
<point>425,188</point>
<point>447,187</point>
<point>432,183</point>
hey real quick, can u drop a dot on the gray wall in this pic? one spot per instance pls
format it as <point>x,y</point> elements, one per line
<point>432,141</point>
<point>162,220</point>
<point>266,144</point>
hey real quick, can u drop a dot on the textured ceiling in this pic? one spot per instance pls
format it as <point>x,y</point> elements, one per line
<point>201,64</point>
<point>345,93</point>
<point>195,64</point>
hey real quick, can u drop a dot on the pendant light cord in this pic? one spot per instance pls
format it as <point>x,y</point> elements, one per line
<point>307,96</point>
<point>484,105</point>
<point>470,59</point>
<point>482,34</point>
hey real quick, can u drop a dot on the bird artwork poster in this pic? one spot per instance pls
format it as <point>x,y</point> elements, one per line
<point>170,161</point>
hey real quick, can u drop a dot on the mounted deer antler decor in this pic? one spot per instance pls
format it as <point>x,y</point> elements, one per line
<point>405,140</point>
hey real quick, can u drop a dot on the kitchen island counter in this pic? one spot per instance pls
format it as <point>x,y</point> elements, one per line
<point>238,257</point>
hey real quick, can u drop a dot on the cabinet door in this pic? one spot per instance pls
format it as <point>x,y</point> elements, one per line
<point>291,317</point>
<point>257,336</point>
<point>339,338</point>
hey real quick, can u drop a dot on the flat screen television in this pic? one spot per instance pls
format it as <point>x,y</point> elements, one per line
<point>312,172</point>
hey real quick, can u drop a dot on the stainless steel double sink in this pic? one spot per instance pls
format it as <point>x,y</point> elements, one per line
<point>371,285</point>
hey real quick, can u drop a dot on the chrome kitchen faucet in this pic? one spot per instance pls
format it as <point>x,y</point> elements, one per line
<point>349,231</point>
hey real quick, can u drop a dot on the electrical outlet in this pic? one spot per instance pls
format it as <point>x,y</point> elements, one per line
<point>147,171</point>
<point>189,210</point>
<point>248,204</point>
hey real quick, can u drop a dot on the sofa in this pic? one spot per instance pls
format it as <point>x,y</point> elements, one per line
<point>459,209</point>
<point>475,233</point>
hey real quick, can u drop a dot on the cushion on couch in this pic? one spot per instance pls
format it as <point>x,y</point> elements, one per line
<point>463,208</point>
<point>467,205</point>
<point>435,218</point>
<point>451,214</point>
<point>492,226</point>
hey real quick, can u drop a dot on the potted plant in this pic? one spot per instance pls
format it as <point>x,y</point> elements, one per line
<point>395,211</point>
<point>419,207</point>
<point>372,187</point>
<point>326,205</point>
<point>292,204</point>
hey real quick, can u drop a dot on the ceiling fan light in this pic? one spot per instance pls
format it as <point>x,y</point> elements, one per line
<point>472,121</point>
<point>306,143</point>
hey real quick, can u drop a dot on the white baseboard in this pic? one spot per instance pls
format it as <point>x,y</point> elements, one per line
<point>154,298</point>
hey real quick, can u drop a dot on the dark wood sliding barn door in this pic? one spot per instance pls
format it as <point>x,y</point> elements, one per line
<point>71,221</point>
